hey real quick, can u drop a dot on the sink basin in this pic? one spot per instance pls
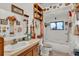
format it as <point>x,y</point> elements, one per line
<point>17,46</point>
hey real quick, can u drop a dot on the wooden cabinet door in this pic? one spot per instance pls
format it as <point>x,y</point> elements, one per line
<point>36,51</point>
<point>29,53</point>
<point>1,46</point>
<point>33,51</point>
<point>1,50</point>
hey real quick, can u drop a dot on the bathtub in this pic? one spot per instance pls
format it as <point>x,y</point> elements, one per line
<point>65,48</point>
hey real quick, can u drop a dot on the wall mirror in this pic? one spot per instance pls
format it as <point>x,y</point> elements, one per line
<point>11,21</point>
<point>25,21</point>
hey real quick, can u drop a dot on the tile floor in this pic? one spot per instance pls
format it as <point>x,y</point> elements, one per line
<point>58,53</point>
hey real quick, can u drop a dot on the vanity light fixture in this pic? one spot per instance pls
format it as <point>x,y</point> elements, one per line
<point>50,6</point>
<point>60,4</point>
<point>66,4</point>
<point>47,8</point>
<point>54,7</point>
<point>44,9</point>
<point>57,7</point>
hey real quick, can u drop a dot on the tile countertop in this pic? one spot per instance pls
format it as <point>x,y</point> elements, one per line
<point>18,51</point>
<point>14,37</point>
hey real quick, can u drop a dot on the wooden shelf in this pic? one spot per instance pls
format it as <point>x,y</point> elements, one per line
<point>36,10</point>
<point>38,18</point>
<point>38,13</point>
<point>77,7</point>
<point>38,7</point>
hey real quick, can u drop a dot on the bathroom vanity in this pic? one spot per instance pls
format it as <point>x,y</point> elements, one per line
<point>33,51</point>
<point>23,48</point>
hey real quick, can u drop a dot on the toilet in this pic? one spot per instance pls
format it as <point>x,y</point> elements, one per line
<point>46,48</point>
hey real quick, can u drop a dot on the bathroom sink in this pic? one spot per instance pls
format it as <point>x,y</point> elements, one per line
<point>17,46</point>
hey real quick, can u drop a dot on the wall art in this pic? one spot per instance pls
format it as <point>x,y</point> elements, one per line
<point>17,10</point>
<point>17,22</point>
<point>4,29</point>
<point>3,21</point>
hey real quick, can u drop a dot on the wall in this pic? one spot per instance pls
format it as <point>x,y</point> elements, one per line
<point>74,39</point>
<point>57,38</point>
<point>52,37</point>
<point>56,35</point>
<point>27,7</point>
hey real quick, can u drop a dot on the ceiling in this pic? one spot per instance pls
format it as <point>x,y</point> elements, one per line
<point>56,5</point>
<point>59,13</point>
<point>46,5</point>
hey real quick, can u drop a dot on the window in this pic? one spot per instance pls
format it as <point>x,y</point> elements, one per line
<point>59,25</point>
<point>53,26</point>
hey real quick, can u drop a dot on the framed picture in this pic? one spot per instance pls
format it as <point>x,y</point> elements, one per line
<point>17,22</point>
<point>66,4</point>
<point>4,29</point>
<point>17,10</point>
<point>3,22</point>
